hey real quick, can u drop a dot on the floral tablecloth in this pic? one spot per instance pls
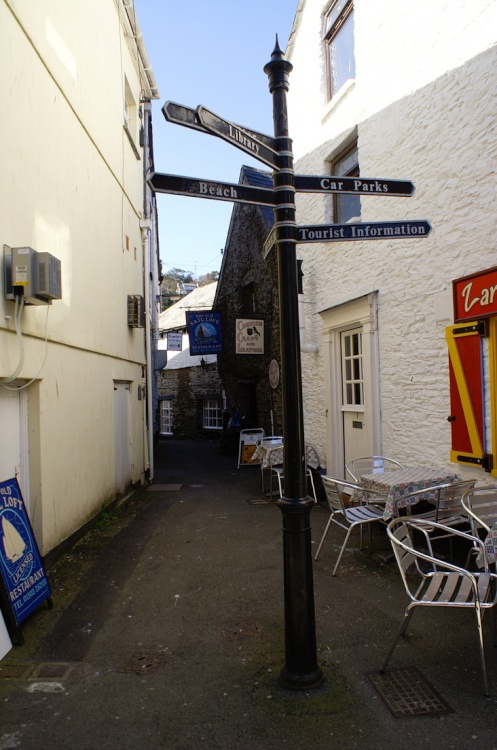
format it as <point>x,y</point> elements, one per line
<point>272,455</point>
<point>395,484</point>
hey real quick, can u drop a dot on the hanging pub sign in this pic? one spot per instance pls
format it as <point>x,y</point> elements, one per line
<point>475,296</point>
<point>204,331</point>
<point>174,341</point>
<point>21,568</point>
<point>249,336</point>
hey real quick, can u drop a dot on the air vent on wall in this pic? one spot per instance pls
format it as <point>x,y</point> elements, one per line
<point>136,311</point>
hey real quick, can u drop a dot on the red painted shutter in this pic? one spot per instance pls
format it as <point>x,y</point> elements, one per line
<point>466,394</point>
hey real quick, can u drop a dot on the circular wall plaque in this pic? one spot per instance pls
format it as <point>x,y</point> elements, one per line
<point>274,374</point>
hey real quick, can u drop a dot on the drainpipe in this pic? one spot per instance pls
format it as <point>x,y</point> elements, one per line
<point>146,226</point>
<point>305,346</point>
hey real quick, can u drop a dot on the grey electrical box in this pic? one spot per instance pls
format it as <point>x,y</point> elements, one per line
<point>32,275</point>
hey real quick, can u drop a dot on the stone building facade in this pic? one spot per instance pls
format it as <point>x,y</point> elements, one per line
<point>248,291</point>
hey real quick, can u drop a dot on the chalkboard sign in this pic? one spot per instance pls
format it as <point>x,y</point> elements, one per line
<point>25,582</point>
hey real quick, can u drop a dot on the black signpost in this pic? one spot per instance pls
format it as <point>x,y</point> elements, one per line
<point>301,670</point>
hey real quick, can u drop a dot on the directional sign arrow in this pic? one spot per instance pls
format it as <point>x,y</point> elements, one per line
<point>357,185</point>
<point>378,230</point>
<point>195,187</point>
<point>255,144</point>
<point>181,115</point>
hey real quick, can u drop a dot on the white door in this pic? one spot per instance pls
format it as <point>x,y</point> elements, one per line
<point>355,442</point>
<point>14,438</point>
<point>122,433</point>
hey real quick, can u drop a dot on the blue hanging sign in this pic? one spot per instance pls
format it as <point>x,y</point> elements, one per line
<point>21,566</point>
<point>204,331</point>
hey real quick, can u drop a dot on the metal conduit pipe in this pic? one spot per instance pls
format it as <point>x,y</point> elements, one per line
<point>145,226</point>
<point>305,346</point>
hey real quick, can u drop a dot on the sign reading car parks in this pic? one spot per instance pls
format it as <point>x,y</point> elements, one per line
<point>305,183</point>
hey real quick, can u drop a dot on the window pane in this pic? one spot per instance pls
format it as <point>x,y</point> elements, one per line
<point>342,61</point>
<point>347,206</point>
<point>212,416</point>
<point>355,344</point>
<point>166,418</point>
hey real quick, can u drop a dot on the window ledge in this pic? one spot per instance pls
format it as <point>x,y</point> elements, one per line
<point>342,94</point>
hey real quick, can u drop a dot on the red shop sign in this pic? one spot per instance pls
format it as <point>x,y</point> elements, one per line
<point>475,296</point>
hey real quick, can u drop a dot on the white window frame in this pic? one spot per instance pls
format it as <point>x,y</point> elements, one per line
<point>336,29</point>
<point>212,414</point>
<point>166,417</point>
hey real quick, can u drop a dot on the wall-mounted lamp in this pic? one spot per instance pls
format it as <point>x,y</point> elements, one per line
<point>203,364</point>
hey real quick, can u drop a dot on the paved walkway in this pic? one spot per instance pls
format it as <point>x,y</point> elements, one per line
<point>167,632</point>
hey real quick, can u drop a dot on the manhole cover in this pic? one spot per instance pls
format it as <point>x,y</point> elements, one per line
<point>240,631</point>
<point>407,692</point>
<point>144,662</point>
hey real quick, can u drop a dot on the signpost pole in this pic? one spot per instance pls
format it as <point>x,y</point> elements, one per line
<point>301,670</point>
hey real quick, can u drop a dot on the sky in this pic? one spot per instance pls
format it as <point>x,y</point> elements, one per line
<point>209,52</point>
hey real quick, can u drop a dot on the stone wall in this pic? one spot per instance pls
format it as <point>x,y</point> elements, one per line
<point>248,288</point>
<point>187,388</point>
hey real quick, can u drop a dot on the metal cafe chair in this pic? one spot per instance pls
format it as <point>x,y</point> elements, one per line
<point>270,444</point>
<point>349,518</point>
<point>370,465</point>
<point>438,583</point>
<point>279,471</point>
<point>480,505</point>
<point>448,511</point>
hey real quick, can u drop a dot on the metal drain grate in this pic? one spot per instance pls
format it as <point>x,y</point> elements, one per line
<point>407,692</point>
<point>144,662</point>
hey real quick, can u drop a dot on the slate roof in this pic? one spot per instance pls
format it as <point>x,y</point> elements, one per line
<point>174,317</point>
<point>263,179</point>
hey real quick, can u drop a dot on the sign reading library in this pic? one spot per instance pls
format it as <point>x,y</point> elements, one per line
<point>20,563</point>
<point>204,331</point>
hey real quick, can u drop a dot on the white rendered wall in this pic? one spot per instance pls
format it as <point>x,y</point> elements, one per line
<point>73,186</point>
<point>423,108</point>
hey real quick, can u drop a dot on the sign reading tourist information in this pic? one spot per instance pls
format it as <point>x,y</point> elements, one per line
<point>20,563</point>
<point>255,144</point>
<point>356,185</point>
<point>220,191</point>
<point>378,230</point>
